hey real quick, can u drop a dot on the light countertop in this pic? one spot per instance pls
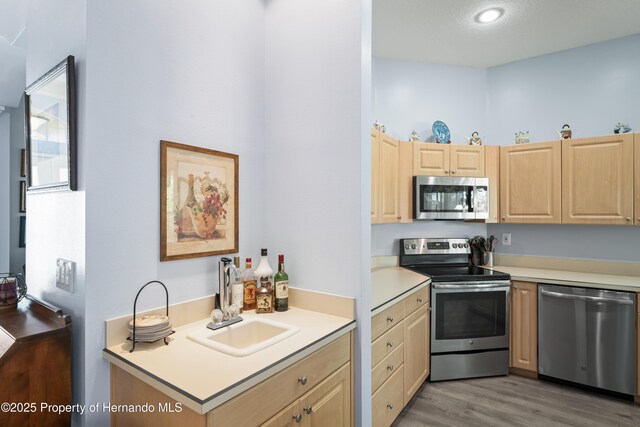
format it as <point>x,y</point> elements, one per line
<point>572,278</point>
<point>202,378</point>
<point>389,283</point>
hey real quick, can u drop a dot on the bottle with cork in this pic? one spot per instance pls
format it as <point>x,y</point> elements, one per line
<point>250,287</point>
<point>264,296</point>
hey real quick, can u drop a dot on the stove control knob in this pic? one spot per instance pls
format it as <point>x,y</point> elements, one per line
<point>470,342</point>
<point>455,245</point>
<point>406,246</point>
<point>466,245</point>
<point>413,246</point>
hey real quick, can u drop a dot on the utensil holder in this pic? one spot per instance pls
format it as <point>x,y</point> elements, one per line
<point>488,259</point>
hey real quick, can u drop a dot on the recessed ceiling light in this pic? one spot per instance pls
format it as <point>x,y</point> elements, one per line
<point>489,15</point>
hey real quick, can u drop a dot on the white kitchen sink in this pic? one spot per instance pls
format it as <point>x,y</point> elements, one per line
<point>244,338</point>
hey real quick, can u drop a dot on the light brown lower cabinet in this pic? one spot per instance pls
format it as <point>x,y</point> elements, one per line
<point>324,398</point>
<point>524,329</point>
<point>399,354</point>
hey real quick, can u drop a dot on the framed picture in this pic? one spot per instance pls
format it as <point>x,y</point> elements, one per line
<point>198,202</point>
<point>23,163</point>
<point>23,196</point>
<point>21,238</point>
<point>50,129</point>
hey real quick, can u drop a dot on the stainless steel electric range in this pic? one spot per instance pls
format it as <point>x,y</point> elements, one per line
<point>469,309</point>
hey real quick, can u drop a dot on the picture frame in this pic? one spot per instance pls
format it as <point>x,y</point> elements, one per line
<point>23,163</point>
<point>198,202</point>
<point>23,197</point>
<point>23,232</point>
<point>50,130</point>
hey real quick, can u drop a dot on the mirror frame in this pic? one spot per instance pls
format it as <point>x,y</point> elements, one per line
<point>67,66</point>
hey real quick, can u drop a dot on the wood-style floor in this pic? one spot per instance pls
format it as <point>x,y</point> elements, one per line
<point>513,401</point>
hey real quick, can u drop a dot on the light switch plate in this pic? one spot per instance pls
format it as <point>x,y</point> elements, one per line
<point>506,239</point>
<point>65,274</point>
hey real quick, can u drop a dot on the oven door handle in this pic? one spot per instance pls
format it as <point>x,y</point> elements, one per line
<point>471,285</point>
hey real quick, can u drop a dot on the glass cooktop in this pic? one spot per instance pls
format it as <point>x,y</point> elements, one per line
<point>466,273</point>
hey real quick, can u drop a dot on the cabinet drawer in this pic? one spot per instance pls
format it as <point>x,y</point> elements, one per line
<point>386,403</point>
<point>385,344</point>
<point>386,367</point>
<point>275,393</point>
<point>415,300</point>
<point>386,320</point>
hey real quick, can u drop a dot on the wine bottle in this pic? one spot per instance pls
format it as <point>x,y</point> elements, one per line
<point>250,287</point>
<point>281,283</point>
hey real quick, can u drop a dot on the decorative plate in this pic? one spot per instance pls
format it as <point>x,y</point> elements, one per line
<point>441,132</point>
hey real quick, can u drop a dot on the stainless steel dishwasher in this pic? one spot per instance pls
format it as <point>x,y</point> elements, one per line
<point>587,336</point>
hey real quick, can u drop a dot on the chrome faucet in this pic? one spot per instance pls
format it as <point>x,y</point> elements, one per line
<point>225,270</point>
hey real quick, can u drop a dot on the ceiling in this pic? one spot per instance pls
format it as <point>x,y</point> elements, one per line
<point>445,32</point>
<point>13,18</point>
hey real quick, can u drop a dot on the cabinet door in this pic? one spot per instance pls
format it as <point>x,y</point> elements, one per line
<point>329,404</point>
<point>416,357</point>
<point>636,174</point>
<point>492,171</point>
<point>524,326</point>
<point>597,183</point>
<point>405,171</point>
<point>467,160</point>
<point>430,159</point>
<point>530,183</point>
<point>387,402</point>
<point>290,416</point>
<point>375,176</point>
<point>389,158</point>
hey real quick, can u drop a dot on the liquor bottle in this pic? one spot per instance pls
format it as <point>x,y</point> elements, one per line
<point>281,283</point>
<point>250,287</point>
<point>264,297</point>
<point>264,270</point>
<point>237,286</point>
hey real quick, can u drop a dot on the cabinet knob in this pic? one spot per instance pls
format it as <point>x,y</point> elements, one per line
<point>419,300</point>
<point>628,219</point>
<point>389,406</point>
<point>302,380</point>
<point>446,171</point>
<point>389,319</point>
<point>429,308</point>
<point>390,367</point>
<point>389,343</point>
<point>453,171</point>
<point>297,417</point>
<point>308,409</point>
<point>504,218</point>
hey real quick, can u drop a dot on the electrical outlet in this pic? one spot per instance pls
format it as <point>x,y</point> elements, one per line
<point>506,239</point>
<point>65,273</point>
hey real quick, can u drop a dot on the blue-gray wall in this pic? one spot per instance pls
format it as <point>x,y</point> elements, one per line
<point>591,88</point>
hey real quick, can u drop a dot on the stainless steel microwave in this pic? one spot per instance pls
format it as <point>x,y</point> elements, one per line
<point>436,197</point>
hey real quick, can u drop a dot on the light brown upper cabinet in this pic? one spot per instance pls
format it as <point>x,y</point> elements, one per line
<point>636,174</point>
<point>492,171</point>
<point>530,183</point>
<point>390,179</point>
<point>597,184</point>
<point>448,160</point>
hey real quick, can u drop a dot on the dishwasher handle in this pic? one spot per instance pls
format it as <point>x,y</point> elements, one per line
<point>585,297</point>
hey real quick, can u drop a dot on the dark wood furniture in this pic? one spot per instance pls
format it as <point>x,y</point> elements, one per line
<point>35,363</point>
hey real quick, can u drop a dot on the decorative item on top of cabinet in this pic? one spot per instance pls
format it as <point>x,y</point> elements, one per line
<point>566,132</point>
<point>530,183</point>
<point>621,128</point>
<point>475,139</point>
<point>448,160</point>
<point>390,179</point>
<point>379,126</point>
<point>414,137</point>
<point>441,132</point>
<point>524,329</point>
<point>522,137</point>
<point>596,180</point>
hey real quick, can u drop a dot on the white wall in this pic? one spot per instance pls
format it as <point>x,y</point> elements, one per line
<point>56,221</point>
<point>411,96</point>
<point>5,181</point>
<point>592,88</point>
<point>317,68</point>
<point>190,72</point>
<point>16,254</point>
